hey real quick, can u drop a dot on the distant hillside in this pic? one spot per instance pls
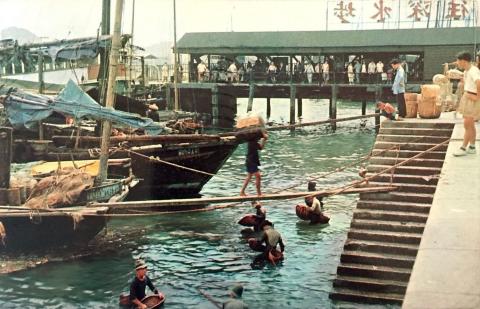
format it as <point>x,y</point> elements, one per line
<point>162,50</point>
<point>22,35</point>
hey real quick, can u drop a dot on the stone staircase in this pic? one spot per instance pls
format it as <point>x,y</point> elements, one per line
<point>386,228</point>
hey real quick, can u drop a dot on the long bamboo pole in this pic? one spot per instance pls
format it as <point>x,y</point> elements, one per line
<point>110,101</point>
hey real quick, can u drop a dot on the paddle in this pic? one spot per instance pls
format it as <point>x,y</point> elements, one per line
<point>210,298</point>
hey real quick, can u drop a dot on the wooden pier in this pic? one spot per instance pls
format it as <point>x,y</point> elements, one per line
<point>387,228</point>
<point>220,99</point>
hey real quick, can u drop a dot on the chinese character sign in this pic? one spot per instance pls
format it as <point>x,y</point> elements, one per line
<point>457,9</point>
<point>383,11</point>
<point>344,10</point>
<point>419,9</point>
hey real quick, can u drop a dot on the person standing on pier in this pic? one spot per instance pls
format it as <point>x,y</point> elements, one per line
<point>469,104</point>
<point>252,163</point>
<point>398,87</point>
<point>326,72</point>
<point>232,73</point>
<point>202,70</point>
<point>351,74</point>
<point>138,285</point>
<point>358,70</point>
<point>309,70</point>
<point>371,71</point>
<point>379,70</point>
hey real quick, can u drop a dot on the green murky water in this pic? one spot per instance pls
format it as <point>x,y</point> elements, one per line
<point>182,259</point>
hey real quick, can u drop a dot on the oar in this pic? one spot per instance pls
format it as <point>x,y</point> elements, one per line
<point>210,298</point>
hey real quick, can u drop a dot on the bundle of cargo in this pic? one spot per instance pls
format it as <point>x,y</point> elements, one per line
<point>439,79</point>
<point>411,103</point>
<point>250,122</point>
<point>430,105</point>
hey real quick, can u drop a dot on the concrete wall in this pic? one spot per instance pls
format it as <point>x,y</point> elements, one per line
<point>435,57</point>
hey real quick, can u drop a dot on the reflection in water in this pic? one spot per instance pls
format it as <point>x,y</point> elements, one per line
<point>185,252</point>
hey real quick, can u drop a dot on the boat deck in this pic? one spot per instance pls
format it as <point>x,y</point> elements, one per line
<point>446,273</point>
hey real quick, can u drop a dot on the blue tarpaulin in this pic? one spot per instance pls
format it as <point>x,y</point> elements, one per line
<point>26,109</point>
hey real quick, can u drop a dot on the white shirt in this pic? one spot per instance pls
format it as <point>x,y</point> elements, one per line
<point>309,68</point>
<point>202,68</point>
<point>325,68</point>
<point>232,68</point>
<point>470,77</point>
<point>364,68</point>
<point>371,67</point>
<point>350,68</point>
<point>316,206</point>
<point>380,67</point>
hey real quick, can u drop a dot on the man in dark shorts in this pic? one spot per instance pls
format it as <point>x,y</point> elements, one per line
<point>138,285</point>
<point>252,163</point>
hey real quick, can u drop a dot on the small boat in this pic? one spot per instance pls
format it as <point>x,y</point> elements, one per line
<point>248,220</point>
<point>152,301</point>
<point>305,213</point>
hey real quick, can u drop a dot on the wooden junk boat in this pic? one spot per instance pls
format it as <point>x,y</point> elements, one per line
<point>169,165</point>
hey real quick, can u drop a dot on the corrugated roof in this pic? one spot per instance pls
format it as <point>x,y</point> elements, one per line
<point>265,41</point>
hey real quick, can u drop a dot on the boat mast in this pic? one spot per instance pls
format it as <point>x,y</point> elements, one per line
<point>175,56</point>
<point>112,74</point>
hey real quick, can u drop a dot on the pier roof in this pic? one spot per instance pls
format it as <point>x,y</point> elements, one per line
<point>298,42</point>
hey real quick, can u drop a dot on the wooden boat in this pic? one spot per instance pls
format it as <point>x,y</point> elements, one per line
<point>152,301</point>
<point>248,220</point>
<point>305,213</point>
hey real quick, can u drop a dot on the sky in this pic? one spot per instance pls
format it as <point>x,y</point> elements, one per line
<point>63,19</point>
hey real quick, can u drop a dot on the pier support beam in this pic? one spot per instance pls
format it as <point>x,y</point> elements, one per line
<point>251,94</point>
<point>5,156</point>
<point>333,106</point>
<point>378,98</point>
<point>269,108</point>
<point>168,94</point>
<point>300,107</point>
<point>215,107</point>
<point>364,107</point>
<point>293,93</point>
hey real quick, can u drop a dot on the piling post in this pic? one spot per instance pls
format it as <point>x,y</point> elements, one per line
<point>293,94</point>
<point>215,107</point>
<point>5,156</point>
<point>251,94</point>
<point>168,94</point>
<point>300,107</point>
<point>333,106</point>
<point>269,108</point>
<point>364,107</point>
<point>378,98</point>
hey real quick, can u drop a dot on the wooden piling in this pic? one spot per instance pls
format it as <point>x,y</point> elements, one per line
<point>300,107</point>
<point>364,107</point>
<point>378,98</point>
<point>251,94</point>
<point>333,106</point>
<point>168,94</point>
<point>5,156</point>
<point>293,92</point>
<point>269,108</point>
<point>215,107</point>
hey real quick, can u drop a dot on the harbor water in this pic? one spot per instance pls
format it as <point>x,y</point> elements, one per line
<point>188,252</point>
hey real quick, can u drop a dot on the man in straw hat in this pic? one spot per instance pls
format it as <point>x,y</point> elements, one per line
<point>235,302</point>
<point>469,104</point>
<point>138,285</point>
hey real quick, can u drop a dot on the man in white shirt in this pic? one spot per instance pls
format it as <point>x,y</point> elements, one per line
<point>325,72</point>
<point>232,73</point>
<point>379,70</point>
<point>202,70</point>
<point>469,104</point>
<point>165,73</point>
<point>309,70</point>
<point>371,71</point>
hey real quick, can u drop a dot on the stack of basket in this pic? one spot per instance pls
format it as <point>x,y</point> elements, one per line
<point>411,103</point>
<point>430,105</point>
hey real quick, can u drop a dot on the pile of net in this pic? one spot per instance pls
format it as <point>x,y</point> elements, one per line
<point>62,189</point>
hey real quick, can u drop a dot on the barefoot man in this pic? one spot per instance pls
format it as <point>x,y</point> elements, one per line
<point>252,163</point>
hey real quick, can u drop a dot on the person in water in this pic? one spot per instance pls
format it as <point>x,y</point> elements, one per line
<point>252,163</point>
<point>235,301</point>
<point>272,238</point>
<point>315,203</point>
<point>261,216</point>
<point>138,285</point>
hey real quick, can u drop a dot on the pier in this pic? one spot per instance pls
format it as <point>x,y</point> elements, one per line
<point>403,247</point>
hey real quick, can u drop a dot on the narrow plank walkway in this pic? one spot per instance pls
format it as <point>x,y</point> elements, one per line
<point>387,228</point>
<point>446,273</point>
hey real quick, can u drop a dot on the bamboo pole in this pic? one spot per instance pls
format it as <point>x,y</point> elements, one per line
<point>229,199</point>
<point>110,101</point>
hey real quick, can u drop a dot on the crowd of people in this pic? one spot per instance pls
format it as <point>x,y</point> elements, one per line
<point>358,71</point>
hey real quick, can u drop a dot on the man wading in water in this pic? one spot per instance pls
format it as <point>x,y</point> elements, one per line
<point>252,163</point>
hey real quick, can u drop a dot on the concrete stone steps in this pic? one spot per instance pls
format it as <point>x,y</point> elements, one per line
<point>417,125</point>
<point>405,170</point>
<point>374,271</point>
<point>440,155</point>
<point>391,161</point>
<point>382,259</point>
<point>398,197</point>
<point>370,285</point>
<point>385,236</point>
<point>397,206</point>
<point>411,139</point>
<point>408,146</point>
<point>386,215</point>
<point>413,179</point>
<point>408,187</point>
<point>386,225</point>
<point>381,246</point>
<point>354,295</point>
<point>386,228</point>
<point>416,132</point>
